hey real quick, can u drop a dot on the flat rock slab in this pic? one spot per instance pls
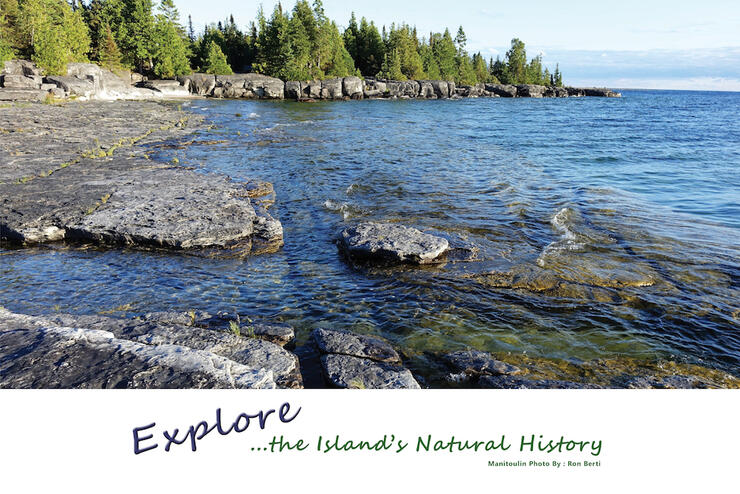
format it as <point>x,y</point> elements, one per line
<point>173,209</point>
<point>162,352</point>
<point>280,334</point>
<point>78,172</point>
<point>39,354</point>
<point>474,362</point>
<point>347,343</point>
<point>390,242</point>
<point>345,371</point>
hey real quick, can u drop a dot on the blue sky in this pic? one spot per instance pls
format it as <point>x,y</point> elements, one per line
<point>649,44</point>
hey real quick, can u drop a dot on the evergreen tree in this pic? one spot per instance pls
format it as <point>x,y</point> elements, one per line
<point>370,49</point>
<point>275,50</point>
<point>136,33</point>
<point>215,61</point>
<point>110,56</point>
<point>516,62</point>
<point>6,50</point>
<point>351,37</point>
<point>480,68</point>
<point>52,34</point>
<point>191,31</point>
<point>557,77</point>
<point>170,55</point>
<point>444,53</point>
<point>500,71</point>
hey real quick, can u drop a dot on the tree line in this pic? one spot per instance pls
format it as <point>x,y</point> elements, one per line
<point>297,44</point>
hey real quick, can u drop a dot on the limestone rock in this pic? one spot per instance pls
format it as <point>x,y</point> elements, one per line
<point>292,89</point>
<point>347,343</point>
<point>73,86</point>
<point>345,371</point>
<point>502,90</point>
<point>36,352</point>
<point>21,67</point>
<point>331,89</point>
<point>13,81</point>
<point>168,88</point>
<point>391,242</point>
<point>352,86</point>
<point>530,91</point>
<point>172,209</point>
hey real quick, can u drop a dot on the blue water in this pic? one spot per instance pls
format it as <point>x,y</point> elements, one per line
<point>613,223</point>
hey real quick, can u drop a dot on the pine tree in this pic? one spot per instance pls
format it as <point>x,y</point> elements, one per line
<point>557,77</point>
<point>215,61</point>
<point>370,49</point>
<point>170,56</point>
<point>191,31</point>
<point>110,55</point>
<point>444,53</point>
<point>516,62</point>
<point>136,33</point>
<point>480,68</point>
<point>6,51</point>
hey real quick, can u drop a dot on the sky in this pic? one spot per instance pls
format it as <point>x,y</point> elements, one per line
<point>655,44</point>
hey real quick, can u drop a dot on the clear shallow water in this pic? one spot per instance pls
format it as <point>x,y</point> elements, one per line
<point>604,228</point>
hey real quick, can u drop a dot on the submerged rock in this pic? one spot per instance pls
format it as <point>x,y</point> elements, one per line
<point>509,382</point>
<point>474,362</point>
<point>392,242</point>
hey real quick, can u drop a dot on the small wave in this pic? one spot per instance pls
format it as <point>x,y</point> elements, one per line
<point>347,210</point>
<point>563,222</point>
<point>280,125</point>
<point>253,115</point>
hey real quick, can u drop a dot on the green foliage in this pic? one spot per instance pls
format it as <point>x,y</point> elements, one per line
<point>234,328</point>
<point>109,55</point>
<point>51,34</point>
<point>6,50</point>
<point>297,44</point>
<point>170,53</point>
<point>215,62</point>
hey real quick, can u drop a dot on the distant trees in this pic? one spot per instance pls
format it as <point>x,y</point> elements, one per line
<point>301,43</point>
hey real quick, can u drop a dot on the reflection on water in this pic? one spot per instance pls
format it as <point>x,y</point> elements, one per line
<point>606,232</point>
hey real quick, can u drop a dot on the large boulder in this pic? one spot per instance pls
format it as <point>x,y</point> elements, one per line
<point>200,84</point>
<point>352,87</point>
<point>311,89</point>
<point>441,89</point>
<point>14,81</point>
<point>349,360</point>
<point>264,87</point>
<point>166,88</point>
<point>293,90</point>
<point>390,242</point>
<point>21,67</point>
<point>575,92</point>
<point>331,89</point>
<point>73,86</point>
<point>530,91</point>
<point>426,90</point>
<point>502,90</point>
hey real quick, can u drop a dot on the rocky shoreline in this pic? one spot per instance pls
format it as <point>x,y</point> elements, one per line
<point>22,81</point>
<point>80,172</point>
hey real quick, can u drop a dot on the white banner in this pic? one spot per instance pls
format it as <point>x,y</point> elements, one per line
<point>369,441</point>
